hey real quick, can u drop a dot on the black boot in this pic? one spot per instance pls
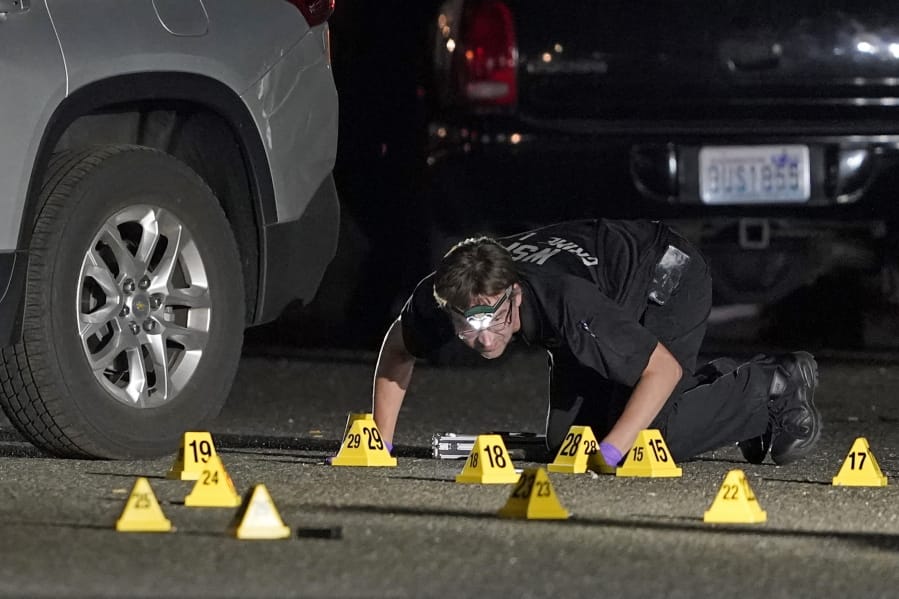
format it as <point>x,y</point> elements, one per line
<point>795,421</point>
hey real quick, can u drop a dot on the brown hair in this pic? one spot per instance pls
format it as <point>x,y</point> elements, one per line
<point>474,267</point>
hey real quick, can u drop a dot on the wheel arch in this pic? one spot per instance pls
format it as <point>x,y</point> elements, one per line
<point>189,116</point>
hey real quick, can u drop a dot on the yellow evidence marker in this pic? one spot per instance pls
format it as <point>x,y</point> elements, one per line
<point>214,488</point>
<point>488,463</point>
<point>534,498</point>
<point>735,502</point>
<point>577,448</point>
<point>142,512</point>
<point>363,446</point>
<point>258,518</point>
<point>860,468</point>
<point>649,457</point>
<point>353,417</point>
<point>196,449</point>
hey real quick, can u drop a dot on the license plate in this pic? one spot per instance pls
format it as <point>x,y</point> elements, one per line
<point>754,174</point>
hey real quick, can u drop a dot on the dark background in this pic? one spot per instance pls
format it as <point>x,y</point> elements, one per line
<point>377,60</point>
<point>378,55</point>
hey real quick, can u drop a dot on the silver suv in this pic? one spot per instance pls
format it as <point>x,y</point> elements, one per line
<point>165,181</point>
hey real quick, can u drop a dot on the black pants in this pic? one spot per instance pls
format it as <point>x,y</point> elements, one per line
<point>720,403</point>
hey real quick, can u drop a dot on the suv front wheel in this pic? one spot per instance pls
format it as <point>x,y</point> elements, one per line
<point>134,310</point>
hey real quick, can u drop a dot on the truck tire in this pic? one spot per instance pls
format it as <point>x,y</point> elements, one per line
<point>134,309</point>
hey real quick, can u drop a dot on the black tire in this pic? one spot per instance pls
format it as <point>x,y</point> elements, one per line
<point>49,390</point>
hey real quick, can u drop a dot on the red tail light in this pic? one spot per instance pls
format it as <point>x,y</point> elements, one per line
<point>489,55</point>
<point>315,11</point>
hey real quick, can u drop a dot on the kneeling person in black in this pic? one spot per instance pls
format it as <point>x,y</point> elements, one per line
<point>621,308</point>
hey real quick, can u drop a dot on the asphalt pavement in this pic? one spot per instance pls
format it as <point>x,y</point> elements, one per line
<point>411,531</point>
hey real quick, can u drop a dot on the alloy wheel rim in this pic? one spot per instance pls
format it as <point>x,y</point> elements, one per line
<point>143,306</point>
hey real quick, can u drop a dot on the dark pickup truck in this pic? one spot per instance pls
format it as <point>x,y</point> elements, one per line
<point>768,132</point>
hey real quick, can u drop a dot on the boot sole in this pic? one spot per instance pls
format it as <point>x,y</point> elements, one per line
<point>808,368</point>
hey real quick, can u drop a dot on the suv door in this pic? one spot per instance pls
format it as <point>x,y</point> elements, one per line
<point>32,83</point>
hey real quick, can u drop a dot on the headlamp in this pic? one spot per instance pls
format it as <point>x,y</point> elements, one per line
<point>481,317</point>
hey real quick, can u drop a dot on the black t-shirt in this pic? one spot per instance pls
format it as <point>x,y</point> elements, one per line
<point>584,286</point>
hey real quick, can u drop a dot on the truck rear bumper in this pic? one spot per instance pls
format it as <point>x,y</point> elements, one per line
<point>759,252</point>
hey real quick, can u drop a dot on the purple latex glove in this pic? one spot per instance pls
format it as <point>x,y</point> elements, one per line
<point>610,454</point>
